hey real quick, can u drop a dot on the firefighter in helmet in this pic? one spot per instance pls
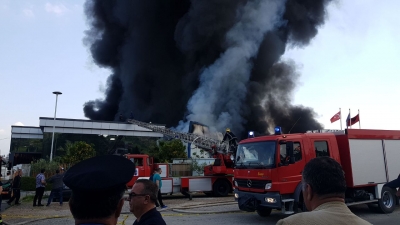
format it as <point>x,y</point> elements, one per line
<point>231,138</point>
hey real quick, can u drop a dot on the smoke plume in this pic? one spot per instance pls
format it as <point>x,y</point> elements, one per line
<point>216,62</point>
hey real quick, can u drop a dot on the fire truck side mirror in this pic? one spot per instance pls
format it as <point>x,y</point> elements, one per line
<point>289,151</point>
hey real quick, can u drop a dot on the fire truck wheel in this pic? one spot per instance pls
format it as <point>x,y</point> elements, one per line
<point>221,188</point>
<point>387,203</point>
<point>264,211</point>
<point>300,207</point>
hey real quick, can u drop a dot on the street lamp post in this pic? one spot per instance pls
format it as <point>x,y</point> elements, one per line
<point>54,124</point>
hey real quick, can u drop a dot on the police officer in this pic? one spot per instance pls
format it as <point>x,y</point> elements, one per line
<point>98,185</point>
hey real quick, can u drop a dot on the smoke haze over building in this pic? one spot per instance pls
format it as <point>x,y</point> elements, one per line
<point>217,62</point>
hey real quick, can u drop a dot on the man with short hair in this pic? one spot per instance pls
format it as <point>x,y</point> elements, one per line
<point>57,187</point>
<point>40,184</point>
<point>98,185</point>
<point>157,179</point>
<point>324,188</point>
<point>142,201</point>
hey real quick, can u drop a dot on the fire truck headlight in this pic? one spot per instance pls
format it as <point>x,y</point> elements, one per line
<point>268,186</point>
<point>270,200</point>
<point>236,184</point>
<point>236,195</point>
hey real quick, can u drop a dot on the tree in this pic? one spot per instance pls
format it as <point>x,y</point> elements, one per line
<point>196,166</point>
<point>50,167</point>
<point>77,152</point>
<point>169,150</point>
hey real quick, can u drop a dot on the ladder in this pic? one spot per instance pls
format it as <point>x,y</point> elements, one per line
<point>199,140</point>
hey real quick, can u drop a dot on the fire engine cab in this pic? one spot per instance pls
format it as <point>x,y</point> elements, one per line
<point>268,169</point>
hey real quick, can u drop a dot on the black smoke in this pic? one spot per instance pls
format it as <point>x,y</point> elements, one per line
<point>157,51</point>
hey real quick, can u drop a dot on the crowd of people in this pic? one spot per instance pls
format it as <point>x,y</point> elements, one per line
<point>98,194</point>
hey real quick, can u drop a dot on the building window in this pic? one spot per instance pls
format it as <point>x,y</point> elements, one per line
<point>26,145</point>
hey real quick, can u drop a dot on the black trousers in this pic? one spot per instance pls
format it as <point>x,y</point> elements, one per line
<point>16,195</point>
<point>38,196</point>
<point>159,197</point>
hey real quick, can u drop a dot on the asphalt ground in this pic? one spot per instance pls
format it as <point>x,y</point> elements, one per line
<point>25,213</point>
<point>198,211</point>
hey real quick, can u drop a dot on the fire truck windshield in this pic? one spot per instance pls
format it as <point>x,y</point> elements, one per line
<point>256,155</point>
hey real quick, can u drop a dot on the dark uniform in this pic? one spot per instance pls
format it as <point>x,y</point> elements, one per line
<point>151,217</point>
<point>232,139</point>
<point>16,188</point>
<point>394,183</point>
<point>95,180</point>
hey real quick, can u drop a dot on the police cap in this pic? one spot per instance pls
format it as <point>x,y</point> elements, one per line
<point>100,173</point>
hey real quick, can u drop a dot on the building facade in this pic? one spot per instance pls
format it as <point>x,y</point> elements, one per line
<point>28,143</point>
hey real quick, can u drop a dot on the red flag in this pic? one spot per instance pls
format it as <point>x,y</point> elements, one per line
<point>355,119</point>
<point>336,117</point>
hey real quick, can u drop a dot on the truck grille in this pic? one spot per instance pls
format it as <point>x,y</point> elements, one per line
<point>259,184</point>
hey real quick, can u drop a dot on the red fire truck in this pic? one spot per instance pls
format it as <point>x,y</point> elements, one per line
<point>217,179</point>
<point>264,180</point>
<point>214,182</point>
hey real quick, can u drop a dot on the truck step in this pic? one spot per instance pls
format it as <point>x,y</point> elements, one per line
<point>362,202</point>
<point>289,202</point>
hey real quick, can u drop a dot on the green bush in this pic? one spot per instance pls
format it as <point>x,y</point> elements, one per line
<point>50,167</point>
<point>29,184</point>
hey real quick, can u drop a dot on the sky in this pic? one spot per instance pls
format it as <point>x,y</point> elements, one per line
<point>352,63</point>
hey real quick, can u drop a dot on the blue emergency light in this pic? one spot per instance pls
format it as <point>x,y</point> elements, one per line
<point>278,130</point>
<point>251,134</point>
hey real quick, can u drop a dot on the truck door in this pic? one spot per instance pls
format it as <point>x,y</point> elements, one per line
<point>289,175</point>
<point>139,167</point>
<point>324,147</point>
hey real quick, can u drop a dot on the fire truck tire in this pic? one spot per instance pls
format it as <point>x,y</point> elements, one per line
<point>300,207</point>
<point>221,188</point>
<point>264,211</point>
<point>387,202</point>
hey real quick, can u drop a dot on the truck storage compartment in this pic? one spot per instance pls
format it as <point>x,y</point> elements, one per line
<point>367,161</point>
<point>392,149</point>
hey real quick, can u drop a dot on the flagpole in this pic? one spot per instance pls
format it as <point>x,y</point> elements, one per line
<point>349,119</point>
<point>340,113</point>
<point>359,121</point>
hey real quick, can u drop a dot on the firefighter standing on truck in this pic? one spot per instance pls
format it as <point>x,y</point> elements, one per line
<point>231,138</point>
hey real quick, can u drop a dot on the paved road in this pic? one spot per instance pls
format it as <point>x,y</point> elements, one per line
<point>237,218</point>
<point>26,214</point>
